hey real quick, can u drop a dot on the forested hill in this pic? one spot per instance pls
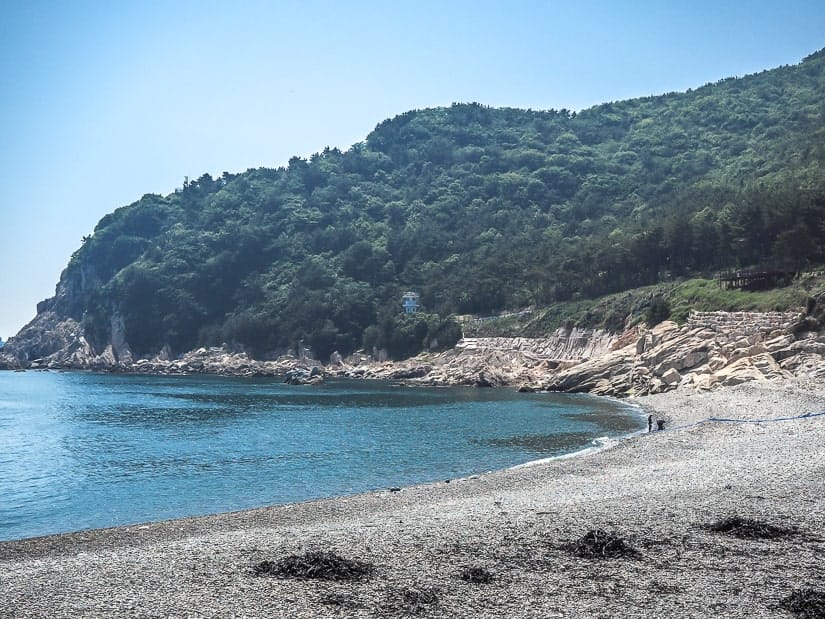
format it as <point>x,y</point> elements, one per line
<point>478,209</point>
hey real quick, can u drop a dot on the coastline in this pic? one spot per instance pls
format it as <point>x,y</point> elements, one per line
<point>599,443</point>
<point>656,491</point>
<point>514,444</point>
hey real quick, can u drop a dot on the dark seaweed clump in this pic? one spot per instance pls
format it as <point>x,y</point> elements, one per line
<point>315,565</point>
<point>806,604</point>
<point>746,528</point>
<point>599,544</point>
<point>477,575</point>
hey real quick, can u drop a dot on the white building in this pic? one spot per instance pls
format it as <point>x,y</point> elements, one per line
<point>410,302</point>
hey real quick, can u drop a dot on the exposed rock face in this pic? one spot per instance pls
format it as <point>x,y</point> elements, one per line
<point>56,337</point>
<point>711,349</point>
<point>119,345</point>
<point>51,340</point>
<point>8,362</point>
<point>565,344</point>
<point>490,361</point>
<point>221,361</point>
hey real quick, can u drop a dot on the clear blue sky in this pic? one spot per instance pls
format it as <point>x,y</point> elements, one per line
<point>101,101</point>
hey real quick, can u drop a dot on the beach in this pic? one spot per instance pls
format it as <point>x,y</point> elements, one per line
<point>500,544</point>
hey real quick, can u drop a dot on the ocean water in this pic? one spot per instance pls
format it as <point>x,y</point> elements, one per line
<point>82,450</point>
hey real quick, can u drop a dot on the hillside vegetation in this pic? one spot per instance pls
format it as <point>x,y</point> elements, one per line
<point>674,300</point>
<point>478,209</point>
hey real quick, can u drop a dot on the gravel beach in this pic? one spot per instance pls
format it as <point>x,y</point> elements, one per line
<point>509,543</point>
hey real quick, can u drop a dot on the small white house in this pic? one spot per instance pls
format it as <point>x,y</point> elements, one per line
<point>410,302</point>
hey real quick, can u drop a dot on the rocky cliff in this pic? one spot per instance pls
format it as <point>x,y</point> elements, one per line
<point>55,341</point>
<point>488,362</point>
<point>56,336</point>
<point>712,349</point>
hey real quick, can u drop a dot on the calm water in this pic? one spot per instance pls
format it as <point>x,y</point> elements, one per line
<point>81,450</point>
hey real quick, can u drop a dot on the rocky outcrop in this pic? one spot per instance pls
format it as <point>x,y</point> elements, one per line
<point>489,361</point>
<point>56,337</point>
<point>304,376</point>
<point>8,362</point>
<point>564,345</point>
<point>53,341</point>
<point>225,362</point>
<point>608,375</point>
<point>711,349</point>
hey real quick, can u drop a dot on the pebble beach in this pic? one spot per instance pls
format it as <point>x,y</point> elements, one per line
<point>501,544</point>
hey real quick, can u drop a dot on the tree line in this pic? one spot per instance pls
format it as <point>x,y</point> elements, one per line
<point>476,208</point>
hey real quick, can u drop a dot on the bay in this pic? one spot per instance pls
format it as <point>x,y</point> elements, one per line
<point>81,450</point>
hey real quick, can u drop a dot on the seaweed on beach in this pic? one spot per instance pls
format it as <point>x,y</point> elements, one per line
<point>806,604</point>
<point>746,528</point>
<point>599,544</point>
<point>477,575</point>
<point>315,565</point>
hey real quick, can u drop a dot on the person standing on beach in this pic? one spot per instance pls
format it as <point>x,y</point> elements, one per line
<point>650,423</point>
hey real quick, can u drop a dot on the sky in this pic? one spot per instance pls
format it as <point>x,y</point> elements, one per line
<point>102,102</point>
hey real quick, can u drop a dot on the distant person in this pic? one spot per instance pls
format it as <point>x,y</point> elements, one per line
<point>650,423</point>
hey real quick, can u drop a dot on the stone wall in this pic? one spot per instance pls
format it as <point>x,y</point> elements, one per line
<point>768,324</point>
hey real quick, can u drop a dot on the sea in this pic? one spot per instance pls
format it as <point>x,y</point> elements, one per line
<point>82,450</point>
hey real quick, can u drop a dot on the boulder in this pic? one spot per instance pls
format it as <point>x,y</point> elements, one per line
<point>490,377</point>
<point>610,374</point>
<point>671,377</point>
<point>779,343</point>
<point>811,346</point>
<point>416,371</point>
<point>303,376</point>
<point>761,367</point>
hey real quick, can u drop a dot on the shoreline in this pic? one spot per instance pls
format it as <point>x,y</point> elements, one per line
<point>656,491</point>
<point>598,442</point>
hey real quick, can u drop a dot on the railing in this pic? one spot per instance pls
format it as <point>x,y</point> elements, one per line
<point>751,279</point>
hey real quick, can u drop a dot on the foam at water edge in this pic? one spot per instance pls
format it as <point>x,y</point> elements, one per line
<point>597,444</point>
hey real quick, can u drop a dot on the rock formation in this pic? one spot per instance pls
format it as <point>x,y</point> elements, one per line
<point>711,349</point>
<point>490,362</point>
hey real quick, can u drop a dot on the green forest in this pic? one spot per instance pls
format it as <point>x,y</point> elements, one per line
<point>478,209</point>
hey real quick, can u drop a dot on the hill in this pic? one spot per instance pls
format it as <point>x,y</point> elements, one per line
<point>477,209</point>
